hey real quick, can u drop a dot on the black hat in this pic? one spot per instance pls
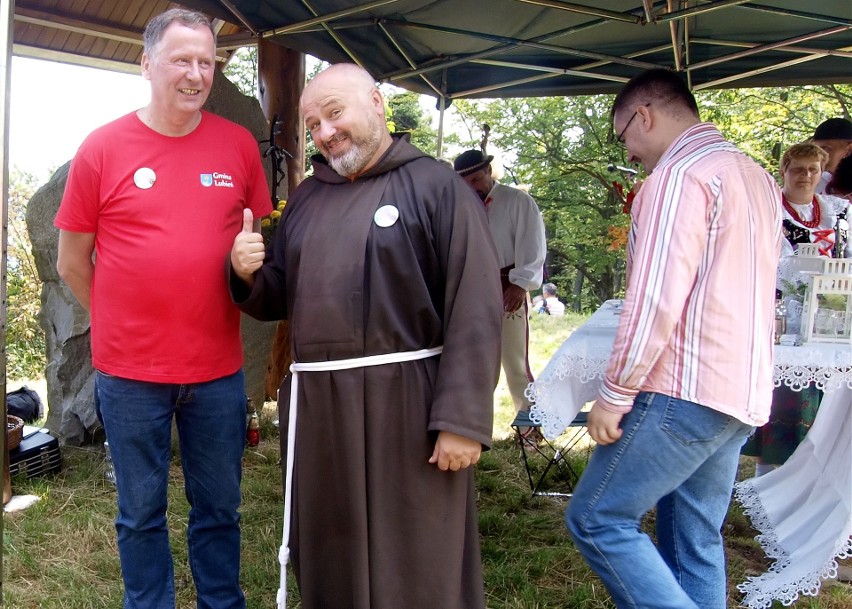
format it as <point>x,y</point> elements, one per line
<point>834,129</point>
<point>470,161</point>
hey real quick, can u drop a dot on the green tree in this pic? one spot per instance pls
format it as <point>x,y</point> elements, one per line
<point>559,147</point>
<point>765,122</point>
<point>408,117</point>
<point>242,70</point>
<point>25,345</point>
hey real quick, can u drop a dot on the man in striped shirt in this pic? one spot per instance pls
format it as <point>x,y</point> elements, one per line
<point>691,370</point>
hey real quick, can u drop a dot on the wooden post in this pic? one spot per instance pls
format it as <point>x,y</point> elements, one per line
<point>7,476</point>
<point>281,78</point>
<point>7,17</point>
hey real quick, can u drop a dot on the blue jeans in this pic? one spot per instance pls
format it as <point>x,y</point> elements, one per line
<point>211,424</point>
<point>682,457</point>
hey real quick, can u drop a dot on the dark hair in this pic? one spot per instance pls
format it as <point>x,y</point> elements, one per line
<point>663,88</point>
<point>841,180</point>
<point>158,25</point>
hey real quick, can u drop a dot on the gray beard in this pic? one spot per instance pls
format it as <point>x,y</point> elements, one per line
<point>351,162</point>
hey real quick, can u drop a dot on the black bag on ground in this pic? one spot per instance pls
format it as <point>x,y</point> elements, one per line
<point>24,403</point>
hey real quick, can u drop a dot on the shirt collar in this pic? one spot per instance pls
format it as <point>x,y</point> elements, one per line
<point>700,133</point>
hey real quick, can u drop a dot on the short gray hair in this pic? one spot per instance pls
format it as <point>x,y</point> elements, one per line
<point>549,288</point>
<point>158,25</point>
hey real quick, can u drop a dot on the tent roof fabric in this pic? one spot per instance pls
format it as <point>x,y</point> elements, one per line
<point>525,48</point>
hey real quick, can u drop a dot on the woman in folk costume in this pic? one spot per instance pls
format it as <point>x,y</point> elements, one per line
<point>808,218</point>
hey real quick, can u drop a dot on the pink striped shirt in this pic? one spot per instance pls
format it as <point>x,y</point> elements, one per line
<point>702,256</point>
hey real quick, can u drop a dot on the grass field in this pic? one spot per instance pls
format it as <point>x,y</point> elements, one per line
<point>61,553</point>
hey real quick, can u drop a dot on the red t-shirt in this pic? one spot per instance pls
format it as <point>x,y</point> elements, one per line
<point>164,211</point>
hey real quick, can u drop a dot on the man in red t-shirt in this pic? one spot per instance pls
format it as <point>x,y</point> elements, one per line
<point>157,196</point>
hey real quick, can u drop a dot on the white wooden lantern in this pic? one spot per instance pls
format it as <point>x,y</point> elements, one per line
<point>828,310</point>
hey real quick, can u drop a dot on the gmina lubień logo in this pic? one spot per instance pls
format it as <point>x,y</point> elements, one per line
<point>217,179</point>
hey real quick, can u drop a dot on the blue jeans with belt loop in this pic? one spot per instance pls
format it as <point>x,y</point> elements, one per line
<point>681,457</point>
<point>211,424</point>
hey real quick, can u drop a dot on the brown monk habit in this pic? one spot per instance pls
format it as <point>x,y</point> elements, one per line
<point>375,526</point>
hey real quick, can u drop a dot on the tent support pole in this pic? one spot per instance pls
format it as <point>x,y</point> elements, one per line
<point>439,144</point>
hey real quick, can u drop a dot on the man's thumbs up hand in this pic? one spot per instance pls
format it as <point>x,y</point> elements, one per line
<point>248,250</point>
<point>248,221</point>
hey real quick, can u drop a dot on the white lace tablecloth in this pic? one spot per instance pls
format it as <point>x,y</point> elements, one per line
<point>572,376</point>
<point>803,509</point>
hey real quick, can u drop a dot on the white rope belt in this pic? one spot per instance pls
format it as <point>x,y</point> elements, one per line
<point>296,368</point>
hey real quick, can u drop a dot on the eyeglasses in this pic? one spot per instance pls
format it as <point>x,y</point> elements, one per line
<point>619,139</point>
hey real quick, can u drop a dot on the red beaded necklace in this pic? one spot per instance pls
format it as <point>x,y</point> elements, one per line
<point>794,214</point>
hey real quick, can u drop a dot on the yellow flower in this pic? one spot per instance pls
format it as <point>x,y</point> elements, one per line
<point>282,203</point>
<point>275,214</point>
<point>265,222</point>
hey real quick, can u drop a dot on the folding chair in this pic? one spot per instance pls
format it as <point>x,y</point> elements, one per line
<point>549,471</point>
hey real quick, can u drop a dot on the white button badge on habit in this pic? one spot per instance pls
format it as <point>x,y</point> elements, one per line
<point>386,216</point>
<point>144,178</point>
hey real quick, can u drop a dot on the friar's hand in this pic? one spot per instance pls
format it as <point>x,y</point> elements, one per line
<point>603,425</point>
<point>454,452</point>
<point>248,250</point>
<point>513,298</point>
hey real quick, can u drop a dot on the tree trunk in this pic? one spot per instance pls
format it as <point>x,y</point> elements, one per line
<point>578,291</point>
<point>281,78</point>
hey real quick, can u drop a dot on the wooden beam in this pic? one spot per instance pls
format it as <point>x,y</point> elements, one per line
<point>230,42</point>
<point>101,30</point>
<point>22,50</point>
<point>6,29</point>
<point>67,23</point>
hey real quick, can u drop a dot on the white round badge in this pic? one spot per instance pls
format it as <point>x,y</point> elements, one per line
<point>386,216</point>
<point>144,178</point>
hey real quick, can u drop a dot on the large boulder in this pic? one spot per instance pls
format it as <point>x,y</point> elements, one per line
<point>69,373</point>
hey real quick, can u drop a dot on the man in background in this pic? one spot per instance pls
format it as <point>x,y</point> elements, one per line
<point>158,195</point>
<point>691,369</point>
<point>550,304</point>
<point>518,232</point>
<point>835,137</point>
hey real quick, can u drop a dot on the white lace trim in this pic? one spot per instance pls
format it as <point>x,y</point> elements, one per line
<point>826,366</point>
<point>761,591</point>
